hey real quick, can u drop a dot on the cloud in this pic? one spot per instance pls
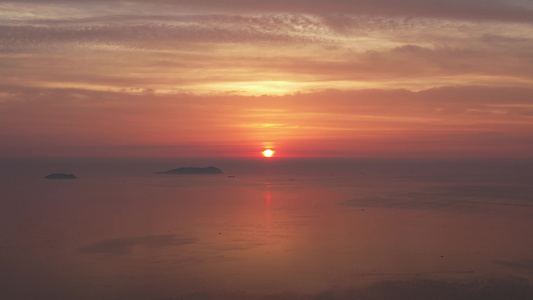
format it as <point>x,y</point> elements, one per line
<point>161,32</point>
<point>513,11</point>
<point>260,54</point>
<point>174,47</point>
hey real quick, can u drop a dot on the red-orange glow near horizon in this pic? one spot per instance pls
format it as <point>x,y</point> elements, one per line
<point>268,153</point>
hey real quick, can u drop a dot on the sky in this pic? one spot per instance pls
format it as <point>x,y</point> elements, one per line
<point>209,78</point>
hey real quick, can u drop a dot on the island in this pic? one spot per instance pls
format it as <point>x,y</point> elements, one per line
<point>60,176</point>
<point>193,171</point>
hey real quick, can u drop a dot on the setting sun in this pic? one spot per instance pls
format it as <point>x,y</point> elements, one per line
<point>268,153</point>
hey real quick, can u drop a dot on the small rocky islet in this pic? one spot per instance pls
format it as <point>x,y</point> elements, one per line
<point>60,176</point>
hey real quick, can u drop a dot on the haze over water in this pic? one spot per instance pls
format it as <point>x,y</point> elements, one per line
<point>279,229</point>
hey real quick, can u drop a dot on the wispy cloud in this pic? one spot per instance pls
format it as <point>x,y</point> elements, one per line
<point>478,10</point>
<point>246,48</point>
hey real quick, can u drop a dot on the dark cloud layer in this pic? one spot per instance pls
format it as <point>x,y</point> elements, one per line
<point>156,32</point>
<point>513,11</point>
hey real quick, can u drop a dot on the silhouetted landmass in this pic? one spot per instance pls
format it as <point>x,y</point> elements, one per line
<point>192,170</point>
<point>60,176</point>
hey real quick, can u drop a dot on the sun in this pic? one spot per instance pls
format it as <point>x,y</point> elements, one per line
<point>268,153</point>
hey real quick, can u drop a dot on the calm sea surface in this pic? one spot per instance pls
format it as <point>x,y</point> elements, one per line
<point>277,230</point>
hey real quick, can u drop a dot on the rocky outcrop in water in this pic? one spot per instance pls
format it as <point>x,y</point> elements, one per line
<point>60,176</point>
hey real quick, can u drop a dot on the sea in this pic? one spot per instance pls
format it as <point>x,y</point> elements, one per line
<point>278,228</point>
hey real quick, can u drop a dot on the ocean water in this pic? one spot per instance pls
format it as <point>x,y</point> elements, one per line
<point>278,229</point>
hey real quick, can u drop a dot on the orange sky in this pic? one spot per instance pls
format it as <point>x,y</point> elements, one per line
<point>197,78</point>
